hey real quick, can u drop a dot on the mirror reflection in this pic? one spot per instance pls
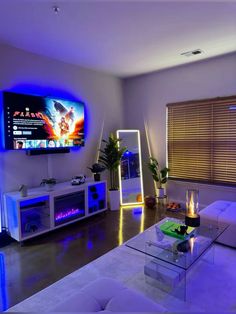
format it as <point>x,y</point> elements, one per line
<point>130,170</point>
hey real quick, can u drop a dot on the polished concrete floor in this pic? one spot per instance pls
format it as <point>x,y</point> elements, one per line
<point>42,261</point>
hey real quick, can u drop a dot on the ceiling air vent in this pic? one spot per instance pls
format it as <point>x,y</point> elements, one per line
<point>192,53</point>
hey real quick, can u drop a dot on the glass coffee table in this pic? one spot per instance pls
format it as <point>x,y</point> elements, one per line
<point>166,266</point>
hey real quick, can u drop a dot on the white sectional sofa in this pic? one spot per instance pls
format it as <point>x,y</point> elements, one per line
<point>107,295</point>
<point>222,213</point>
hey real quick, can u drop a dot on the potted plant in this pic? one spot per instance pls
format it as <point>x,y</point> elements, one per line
<point>96,170</point>
<point>159,175</point>
<point>48,183</point>
<point>110,157</point>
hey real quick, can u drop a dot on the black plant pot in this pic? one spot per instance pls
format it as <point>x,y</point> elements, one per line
<point>97,177</point>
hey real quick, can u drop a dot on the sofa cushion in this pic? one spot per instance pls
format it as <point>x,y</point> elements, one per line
<point>78,303</point>
<point>131,301</point>
<point>215,209</point>
<point>229,215</point>
<point>103,290</point>
<point>219,205</point>
<point>107,295</point>
<point>222,213</point>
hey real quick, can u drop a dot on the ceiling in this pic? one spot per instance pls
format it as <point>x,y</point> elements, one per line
<point>123,38</point>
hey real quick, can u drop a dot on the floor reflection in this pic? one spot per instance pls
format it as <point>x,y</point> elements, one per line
<point>27,269</point>
<point>138,215</point>
<point>3,300</point>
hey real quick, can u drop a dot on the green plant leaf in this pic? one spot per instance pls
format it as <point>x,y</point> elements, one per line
<point>159,175</point>
<point>110,156</point>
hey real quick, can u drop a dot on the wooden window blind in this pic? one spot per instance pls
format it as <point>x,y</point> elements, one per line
<point>202,140</point>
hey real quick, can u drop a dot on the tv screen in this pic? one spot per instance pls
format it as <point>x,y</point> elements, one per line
<point>35,122</point>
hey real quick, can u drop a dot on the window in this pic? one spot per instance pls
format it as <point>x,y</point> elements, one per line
<point>202,140</point>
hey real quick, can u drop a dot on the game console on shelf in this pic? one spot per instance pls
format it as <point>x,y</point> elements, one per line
<point>77,180</point>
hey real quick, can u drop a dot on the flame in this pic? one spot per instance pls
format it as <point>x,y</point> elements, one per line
<point>191,207</point>
<point>191,243</point>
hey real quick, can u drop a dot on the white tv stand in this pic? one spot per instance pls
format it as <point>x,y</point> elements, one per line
<point>42,211</point>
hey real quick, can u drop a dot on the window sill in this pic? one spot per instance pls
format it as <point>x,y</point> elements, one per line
<point>201,185</point>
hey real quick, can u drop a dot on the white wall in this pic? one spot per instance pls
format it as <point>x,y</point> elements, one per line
<point>146,96</point>
<point>21,71</point>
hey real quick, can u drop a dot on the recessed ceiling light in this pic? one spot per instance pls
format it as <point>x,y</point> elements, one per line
<point>192,53</point>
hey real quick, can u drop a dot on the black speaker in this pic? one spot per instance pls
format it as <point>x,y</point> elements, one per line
<point>33,152</point>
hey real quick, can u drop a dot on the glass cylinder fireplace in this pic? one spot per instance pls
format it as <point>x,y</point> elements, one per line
<point>192,217</point>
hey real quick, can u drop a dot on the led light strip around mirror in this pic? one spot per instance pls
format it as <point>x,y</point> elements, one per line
<point>141,196</point>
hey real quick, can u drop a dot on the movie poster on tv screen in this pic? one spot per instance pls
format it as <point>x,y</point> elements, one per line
<point>35,122</point>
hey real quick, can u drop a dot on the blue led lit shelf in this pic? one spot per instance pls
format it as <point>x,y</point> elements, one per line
<point>42,211</point>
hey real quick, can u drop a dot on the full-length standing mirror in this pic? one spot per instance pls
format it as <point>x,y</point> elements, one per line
<point>130,170</point>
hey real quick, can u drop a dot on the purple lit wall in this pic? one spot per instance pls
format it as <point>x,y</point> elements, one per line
<point>29,73</point>
<point>146,96</point>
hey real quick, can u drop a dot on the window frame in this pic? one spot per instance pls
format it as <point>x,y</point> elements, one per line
<point>210,102</point>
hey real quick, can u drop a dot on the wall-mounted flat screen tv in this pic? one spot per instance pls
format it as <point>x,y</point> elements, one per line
<point>39,123</point>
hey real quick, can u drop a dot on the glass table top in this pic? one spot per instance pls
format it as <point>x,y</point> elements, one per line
<point>148,242</point>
